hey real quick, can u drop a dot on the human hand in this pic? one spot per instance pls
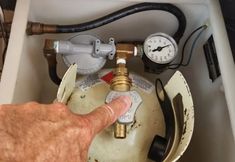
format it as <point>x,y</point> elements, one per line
<point>37,132</point>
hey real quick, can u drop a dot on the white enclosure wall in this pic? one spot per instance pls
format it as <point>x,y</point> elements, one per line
<point>25,76</point>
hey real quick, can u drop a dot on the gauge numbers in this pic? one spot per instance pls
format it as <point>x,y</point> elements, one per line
<point>160,48</point>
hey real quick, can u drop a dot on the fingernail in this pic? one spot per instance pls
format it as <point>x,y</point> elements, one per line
<point>126,100</point>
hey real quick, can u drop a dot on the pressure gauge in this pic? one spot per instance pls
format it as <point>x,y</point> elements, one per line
<point>159,50</point>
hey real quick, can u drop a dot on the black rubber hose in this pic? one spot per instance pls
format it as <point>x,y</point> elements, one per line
<point>115,16</point>
<point>126,12</point>
<point>52,62</point>
<point>53,75</point>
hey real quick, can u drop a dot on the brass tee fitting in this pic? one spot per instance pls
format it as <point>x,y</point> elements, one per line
<point>121,81</point>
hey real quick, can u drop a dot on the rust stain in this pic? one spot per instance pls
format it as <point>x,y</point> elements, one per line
<point>134,123</point>
<point>82,96</point>
<point>185,127</point>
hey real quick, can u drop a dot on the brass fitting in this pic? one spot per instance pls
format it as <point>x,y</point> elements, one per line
<point>125,51</point>
<point>119,130</point>
<point>49,52</point>
<point>49,47</point>
<point>121,81</point>
<point>39,28</point>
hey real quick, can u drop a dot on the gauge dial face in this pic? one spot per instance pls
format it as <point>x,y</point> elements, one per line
<point>160,48</point>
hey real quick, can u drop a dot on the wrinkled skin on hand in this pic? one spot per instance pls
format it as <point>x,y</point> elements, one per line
<point>51,133</point>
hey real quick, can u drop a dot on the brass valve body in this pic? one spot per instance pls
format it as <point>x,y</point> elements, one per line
<point>121,81</point>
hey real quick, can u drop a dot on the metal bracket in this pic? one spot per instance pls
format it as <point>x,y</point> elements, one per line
<point>112,53</point>
<point>103,50</point>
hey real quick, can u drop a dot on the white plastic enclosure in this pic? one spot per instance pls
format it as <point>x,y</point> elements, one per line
<point>25,74</point>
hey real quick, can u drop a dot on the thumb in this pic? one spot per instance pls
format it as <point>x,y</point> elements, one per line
<point>107,114</point>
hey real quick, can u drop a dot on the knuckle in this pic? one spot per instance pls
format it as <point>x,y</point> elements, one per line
<point>60,106</point>
<point>29,105</point>
<point>109,111</point>
<point>32,103</point>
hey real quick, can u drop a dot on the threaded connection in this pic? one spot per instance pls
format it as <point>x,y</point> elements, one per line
<point>120,130</point>
<point>35,28</point>
<point>49,47</point>
<point>121,81</point>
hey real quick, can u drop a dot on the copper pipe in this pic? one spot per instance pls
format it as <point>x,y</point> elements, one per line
<point>39,28</point>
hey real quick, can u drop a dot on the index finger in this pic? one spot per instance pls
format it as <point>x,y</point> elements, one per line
<point>107,114</point>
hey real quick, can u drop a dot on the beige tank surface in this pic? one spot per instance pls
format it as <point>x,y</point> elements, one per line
<point>91,91</point>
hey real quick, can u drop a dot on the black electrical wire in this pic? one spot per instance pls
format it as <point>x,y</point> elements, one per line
<point>176,66</point>
<point>193,46</point>
<point>126,12</point>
